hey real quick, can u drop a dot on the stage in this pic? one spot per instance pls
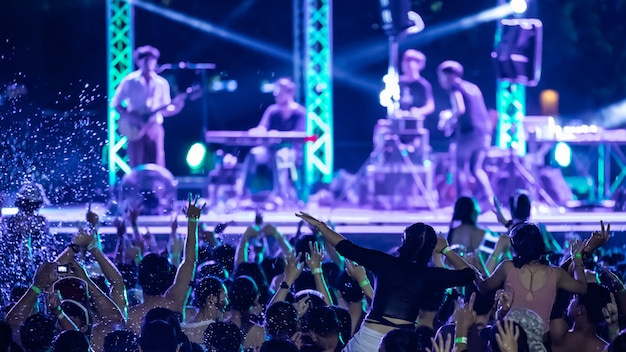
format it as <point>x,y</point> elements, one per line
<point>369,227</point>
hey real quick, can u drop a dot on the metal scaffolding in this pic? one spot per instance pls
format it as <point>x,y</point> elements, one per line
<point>119,63</point>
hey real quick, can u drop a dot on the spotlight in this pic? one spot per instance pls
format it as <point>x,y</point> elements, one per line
<point>519,6</point>
<point>563,154</point>
<point>195,156</point>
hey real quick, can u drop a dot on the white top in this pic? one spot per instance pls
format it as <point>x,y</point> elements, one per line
<point>141,96</point>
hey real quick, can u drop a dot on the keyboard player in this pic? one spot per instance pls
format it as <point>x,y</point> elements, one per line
<point>284,115</point>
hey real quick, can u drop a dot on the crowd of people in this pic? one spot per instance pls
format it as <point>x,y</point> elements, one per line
<point>476,290</point>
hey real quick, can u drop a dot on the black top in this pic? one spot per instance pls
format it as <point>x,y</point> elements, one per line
<point>273,119</point>
<point>475,120</point>
<point>414,93</point>
<point>400,285</point>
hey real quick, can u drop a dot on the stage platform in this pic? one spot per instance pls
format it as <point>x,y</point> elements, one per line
<point>351,221</point>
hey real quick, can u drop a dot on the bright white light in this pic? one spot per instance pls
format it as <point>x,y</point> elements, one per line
<point>563,154</point>
<point>195,155</point>
<point>519,6</point>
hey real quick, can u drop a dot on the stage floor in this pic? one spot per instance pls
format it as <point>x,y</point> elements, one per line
<point>348,220</point>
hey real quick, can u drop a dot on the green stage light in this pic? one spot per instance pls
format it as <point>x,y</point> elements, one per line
<point>196,156</point>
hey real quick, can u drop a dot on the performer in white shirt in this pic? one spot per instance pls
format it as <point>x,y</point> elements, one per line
<point>143,99</point>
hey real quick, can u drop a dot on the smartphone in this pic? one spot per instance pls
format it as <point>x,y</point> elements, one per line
<point>63,269</point>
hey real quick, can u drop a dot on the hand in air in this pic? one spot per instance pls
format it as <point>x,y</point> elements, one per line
<point>441,243</point>
<point>315,257</point>
<point>610,311</point>
<point>293,267</point>
<point>192,210</point>
<point>309,219</point>
<point>498,211</point>
<point>466,316</point>
<point>598,238</point>
<point>576,247</point>
<point>504,299</point>
<point>91,217</point>
<point>355,270</point>
<point>507,336</point>
<point>439,345</point>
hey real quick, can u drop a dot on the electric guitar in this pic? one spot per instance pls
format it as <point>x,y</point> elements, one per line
<point>134,124</point>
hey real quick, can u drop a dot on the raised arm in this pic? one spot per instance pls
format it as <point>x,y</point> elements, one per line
<point>106,309</point>
<point>177,293</point>
<point>497,278</point>
<point>118,289</point>
<point>271,230</point>
<point>578,284</point>
<point>242,252</point>
<point>357,272</point>
<point>329,234</point>
<point>45,276</point>
<point>314,262</point>
<point>293,269</point>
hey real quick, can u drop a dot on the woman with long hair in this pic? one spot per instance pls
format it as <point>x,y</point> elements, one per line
<point>529,275</point>
<point>400,282</point>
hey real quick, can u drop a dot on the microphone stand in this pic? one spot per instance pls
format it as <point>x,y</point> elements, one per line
<point>202,68</point>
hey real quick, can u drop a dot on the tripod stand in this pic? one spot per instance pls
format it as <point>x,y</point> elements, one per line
<point>392,168</point>
<point>514,171</point>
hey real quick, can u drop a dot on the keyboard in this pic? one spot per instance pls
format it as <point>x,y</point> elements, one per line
<point>244,138</point>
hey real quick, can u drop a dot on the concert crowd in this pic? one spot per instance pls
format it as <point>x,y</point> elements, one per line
<point>508,289</point>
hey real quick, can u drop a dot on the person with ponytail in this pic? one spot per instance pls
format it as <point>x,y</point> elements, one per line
<point>400,282</point>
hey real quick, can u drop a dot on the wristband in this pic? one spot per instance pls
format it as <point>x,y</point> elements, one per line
<point>316,271</point>
<point>578,255</point>
<point>91,246</point>
<point>192,219</point>
<point>60,316</point>
<point>35,289</point>
<point>461,340</point>
<point>364,283</point>
<point>445,250</point>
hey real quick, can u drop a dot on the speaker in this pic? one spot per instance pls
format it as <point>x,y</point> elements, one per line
<point>394,16</point>
<point>517,56</point>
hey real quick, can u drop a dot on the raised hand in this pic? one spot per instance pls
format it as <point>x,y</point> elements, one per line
<point>192,210</point>
<point>598,238</point>
<point>133,214</point>
<point>355,270</point>
<point>269,230</point>
<point>120,225</point>
<point>46,275</point>
<point>439,345</point>
<point>610,311</point>
<point>504,298</point>
<point>309,219</point>
<point>293,267</point>
<point>91,217</point>
<point>84,238</point>
<point>441,244</point>
<point>576,247</point>
<point>315,257</point>
<point>507,336</point>
<point>174,223</point>
<point>466,316</point>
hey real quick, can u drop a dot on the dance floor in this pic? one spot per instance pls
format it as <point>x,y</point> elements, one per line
<point>367,226</point>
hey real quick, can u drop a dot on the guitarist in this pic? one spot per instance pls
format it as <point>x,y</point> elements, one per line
<point>147,101</point>
<point>469,123</point>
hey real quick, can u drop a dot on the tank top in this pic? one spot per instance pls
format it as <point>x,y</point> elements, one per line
<point>541,298</point>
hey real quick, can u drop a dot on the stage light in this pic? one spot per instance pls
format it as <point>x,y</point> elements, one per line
<point>196,155</point>
<point>519,6</point>
<point>563,154</point>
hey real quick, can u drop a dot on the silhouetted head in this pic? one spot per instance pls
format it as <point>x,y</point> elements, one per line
<point>243,294</point>
<point>37,333</point>
<point>156,275</point>
<point>281,320</point>
<point>418,243</point>
<point>71,341</point>
<point>449,72</point>
<point>413,60</point>
<point>466,211</point>
<point>158,336</point>
<point>170,317</point>
<point>211,290</point>
<point>278,345</point>
<point>399,340</point>
<point>321,321</point>
<point>349,288</point>
<point>590,304</point>
<point>225,255</point>
<point>528,244</point>
<point>284,90</point>
<point>121,341</point>
<point>223,337</point>
<point>211,268</point>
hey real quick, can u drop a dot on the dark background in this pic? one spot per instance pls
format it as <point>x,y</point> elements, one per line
<point>57,49</point>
